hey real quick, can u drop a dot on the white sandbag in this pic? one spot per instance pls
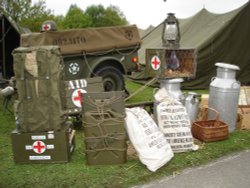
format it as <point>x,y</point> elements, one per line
<point>149,143</point>
<point>174,122</point>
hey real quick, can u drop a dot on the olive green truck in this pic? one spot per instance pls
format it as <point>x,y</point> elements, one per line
<point>107,52</point>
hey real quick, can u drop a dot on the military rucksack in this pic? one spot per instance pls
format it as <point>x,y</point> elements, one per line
<point>38,73</point>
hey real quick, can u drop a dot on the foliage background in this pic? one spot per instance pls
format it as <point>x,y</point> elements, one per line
<point>32,16</point>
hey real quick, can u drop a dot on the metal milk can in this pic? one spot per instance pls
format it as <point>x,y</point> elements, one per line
<point>173,87</point>
<point>224,94</point>
<point>192,105</point>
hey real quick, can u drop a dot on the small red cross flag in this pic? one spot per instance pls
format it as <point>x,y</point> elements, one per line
<point>39,147</point>
<point>77,98</point>
<point>155,62</point>
<point>46,27</point>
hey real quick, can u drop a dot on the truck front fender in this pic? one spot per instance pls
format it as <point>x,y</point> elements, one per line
<point>92,64</point>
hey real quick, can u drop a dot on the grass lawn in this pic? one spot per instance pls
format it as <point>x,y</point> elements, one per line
<point>77,174</point>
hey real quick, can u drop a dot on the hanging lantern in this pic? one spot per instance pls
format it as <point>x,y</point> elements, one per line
<point>171,32</point>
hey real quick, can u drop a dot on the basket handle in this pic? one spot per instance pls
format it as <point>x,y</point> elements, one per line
<point>217,114</point>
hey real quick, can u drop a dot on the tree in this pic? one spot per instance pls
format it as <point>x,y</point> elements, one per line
<point>32,16</point>
<point>75,18</point>
<point>26,14</point>
<point>96,13</point>
<point>111,16</point>
<point>21,9</point>
<point>94,16</point>
<point>15,9</point>
<point>114,16</point>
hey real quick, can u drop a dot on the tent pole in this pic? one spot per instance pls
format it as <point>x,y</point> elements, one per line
<point>3,49</point>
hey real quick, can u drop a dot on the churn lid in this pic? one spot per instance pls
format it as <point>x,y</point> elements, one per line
<point>227,66</point>
<point>175,80</point>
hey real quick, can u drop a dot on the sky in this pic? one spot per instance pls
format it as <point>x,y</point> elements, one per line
<point>144,13</point>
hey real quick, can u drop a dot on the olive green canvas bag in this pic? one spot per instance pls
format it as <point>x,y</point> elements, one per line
<point>40,88</point>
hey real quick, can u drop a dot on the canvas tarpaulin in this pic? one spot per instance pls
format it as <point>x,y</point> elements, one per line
<point>217,38</point>
<point>86,40</point>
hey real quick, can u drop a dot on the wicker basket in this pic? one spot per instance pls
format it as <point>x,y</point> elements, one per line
<point>209,130</point>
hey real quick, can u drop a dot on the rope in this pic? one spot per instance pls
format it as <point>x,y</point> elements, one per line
<point>128,53</point>
<point>104,142</point>
<point>118,50</point>
<point>103,120</point>
<point>102,124</point>
<point>101,103</point>
<point>149,83</point>
<point>87,63</point>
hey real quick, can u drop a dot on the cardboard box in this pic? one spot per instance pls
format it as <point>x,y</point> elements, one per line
<point>243,121</point>
<point>244,98</point>
<point>43,147</point>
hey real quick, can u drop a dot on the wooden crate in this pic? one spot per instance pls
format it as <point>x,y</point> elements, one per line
<point>243,122</point>
<point>43,147</point>
<point>162,61</point>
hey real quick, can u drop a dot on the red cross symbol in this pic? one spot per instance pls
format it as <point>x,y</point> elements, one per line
<point>46,27</point>
<point>77,98</point>
<point>155,62</point>
<point>39,147</point>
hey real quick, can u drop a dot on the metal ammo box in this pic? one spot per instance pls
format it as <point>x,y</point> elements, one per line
<point>104,130</point>
<point>171,63</point>
<point>74,89</point>
<point>43,147</point>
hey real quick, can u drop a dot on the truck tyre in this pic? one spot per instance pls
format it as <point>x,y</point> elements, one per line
<point>112,78</point>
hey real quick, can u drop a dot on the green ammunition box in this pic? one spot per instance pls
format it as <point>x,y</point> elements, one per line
<point>105,138</point>
<point>74,89</point>
<point>99,124</point>
<point>103,101</point>
<point>106,150</point>
<point>104,130</point>
<point>171,63</point>
<point>43,147</point>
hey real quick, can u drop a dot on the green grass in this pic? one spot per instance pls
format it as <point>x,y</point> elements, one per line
<point>77,174</point>
<point>148,92</point>
<point>145,96</point>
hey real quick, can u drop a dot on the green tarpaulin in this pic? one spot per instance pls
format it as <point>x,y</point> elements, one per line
<point>86,40</point>
<point>217,37</point>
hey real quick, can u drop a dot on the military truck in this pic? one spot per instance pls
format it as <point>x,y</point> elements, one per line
<point>109,52</point>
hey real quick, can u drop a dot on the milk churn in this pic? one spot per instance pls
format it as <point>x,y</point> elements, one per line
<point>192,105</point>
<point>173,87</point>
<point>224,94</point>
